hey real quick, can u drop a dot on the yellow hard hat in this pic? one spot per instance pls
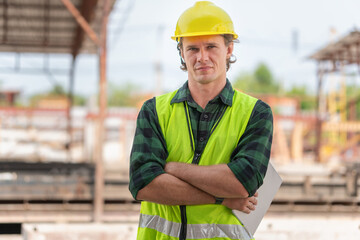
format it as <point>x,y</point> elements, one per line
<point>204,18</point>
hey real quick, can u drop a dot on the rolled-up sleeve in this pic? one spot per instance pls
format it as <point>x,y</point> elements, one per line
<point>148,154</point>
<point>250,158</point>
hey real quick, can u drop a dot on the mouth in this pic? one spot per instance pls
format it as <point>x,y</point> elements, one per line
<point>203,68</point>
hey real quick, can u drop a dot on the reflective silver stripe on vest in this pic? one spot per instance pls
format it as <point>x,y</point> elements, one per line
<point>199,231</point>
<point>160,224</point>
<point>194,231</point>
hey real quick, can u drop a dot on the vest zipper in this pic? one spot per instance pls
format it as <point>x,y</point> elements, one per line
<point>183,228</point>
<point>196,159</point>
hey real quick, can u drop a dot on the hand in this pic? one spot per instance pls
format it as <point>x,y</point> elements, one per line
<point>246,205</point>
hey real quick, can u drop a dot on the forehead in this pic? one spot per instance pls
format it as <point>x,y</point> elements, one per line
<point>203,40</point>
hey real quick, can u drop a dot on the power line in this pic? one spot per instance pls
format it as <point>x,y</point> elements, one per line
<point>125,15</point>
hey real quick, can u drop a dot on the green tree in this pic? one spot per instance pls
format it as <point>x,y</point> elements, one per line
<point>259,81</point>
<point>58,90</point>
<point>262,81</point>
<point>79,100</point>
<point>353,94</point>
<point>244,81</point>
<point>263,75</point>
<point>123,95</point>
<point>307,101</point>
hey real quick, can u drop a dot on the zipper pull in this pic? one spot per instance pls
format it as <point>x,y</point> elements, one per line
<point>196,158</point>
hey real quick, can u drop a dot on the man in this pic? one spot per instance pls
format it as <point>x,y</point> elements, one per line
<point>202,150</point>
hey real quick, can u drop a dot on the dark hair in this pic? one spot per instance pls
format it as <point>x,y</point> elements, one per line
<point>228,38</point>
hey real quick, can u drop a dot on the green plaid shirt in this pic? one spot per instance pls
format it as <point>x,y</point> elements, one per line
<point>248,161</point>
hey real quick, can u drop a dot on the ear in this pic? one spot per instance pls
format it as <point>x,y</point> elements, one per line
<point>182,54</point>
<point>230,49</point>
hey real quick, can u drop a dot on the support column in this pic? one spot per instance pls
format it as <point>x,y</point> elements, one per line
<point>69,107</point>
<point>319,114</point>
<point>99,172</point>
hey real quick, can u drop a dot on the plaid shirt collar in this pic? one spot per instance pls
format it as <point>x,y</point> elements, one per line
<point>183,94</point>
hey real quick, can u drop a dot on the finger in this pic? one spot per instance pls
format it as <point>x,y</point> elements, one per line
<point>256,194</point>
<point>251,207</point>
<point>253,200</point>
<point>246,210</point>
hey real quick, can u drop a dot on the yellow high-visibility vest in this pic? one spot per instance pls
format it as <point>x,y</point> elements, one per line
<point>210,221</point>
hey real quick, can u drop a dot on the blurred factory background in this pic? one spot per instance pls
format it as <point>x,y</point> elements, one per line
<point>64,154</point>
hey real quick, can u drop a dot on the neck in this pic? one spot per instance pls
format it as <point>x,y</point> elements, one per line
<point>203,93</point>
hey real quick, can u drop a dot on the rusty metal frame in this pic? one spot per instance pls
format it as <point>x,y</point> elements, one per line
<point>70,105</point>
<point>99,170</point>
<point>101,44</point>
<point>55,18</point>
<point>47,22</point>
<point>358,55</point>
<point>30,44</point>
<point>320,75</point>
<point>87,7</point>
<point>83,16</point>
<point>81,21</point>
<point>344,55</point>
<point>28,5</point>
<point>5,25</point>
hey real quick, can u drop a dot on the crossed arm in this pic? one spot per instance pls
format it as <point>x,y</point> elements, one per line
<point>188,184</point>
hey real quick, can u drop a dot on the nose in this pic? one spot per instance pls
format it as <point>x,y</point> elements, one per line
<point>203,55</point>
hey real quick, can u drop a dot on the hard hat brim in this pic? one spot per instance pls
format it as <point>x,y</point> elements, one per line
<point>176,37</point>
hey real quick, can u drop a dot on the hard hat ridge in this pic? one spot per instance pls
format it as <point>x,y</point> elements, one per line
<point>204,18</point>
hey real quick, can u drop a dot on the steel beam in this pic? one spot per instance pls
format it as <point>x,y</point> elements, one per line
<point>99,174</point>
<point>348,126</point>
<point>5,24</point>
<point>319,114</point>
<point>34,45</point>
<point>69,107</point>
<point>47,22</point>
<point>81,21</point>
<point>358,55</point>
<point>87,8</point>
<point>31,6</point>
<point>40,19</point>
<point>40,29</point>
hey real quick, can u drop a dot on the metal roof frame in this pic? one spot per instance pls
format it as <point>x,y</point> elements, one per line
<point>333,57</point>
<point>345,50</point>
<point>49,26</point>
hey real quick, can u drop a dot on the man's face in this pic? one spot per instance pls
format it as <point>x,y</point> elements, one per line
<point>205,58</point>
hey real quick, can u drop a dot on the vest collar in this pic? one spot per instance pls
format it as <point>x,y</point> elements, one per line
<point>183,94</point>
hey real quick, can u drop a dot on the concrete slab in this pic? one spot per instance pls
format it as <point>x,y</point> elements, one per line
<point>275,226</point>
<point>290,226</point>
<point>11,237</point>
<point>80,231</point>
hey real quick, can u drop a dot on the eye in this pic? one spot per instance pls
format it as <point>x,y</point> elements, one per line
<point>210,46</point>
<point>192,49</point>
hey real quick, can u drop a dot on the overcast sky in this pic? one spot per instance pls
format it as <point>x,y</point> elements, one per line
<point>265,30</point>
